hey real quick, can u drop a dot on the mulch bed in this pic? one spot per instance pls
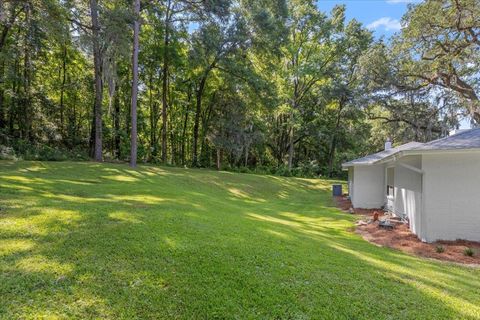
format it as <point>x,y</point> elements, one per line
<point>401,238</point>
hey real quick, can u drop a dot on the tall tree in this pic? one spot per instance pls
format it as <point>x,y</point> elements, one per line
<point>308,57</point>
<point>97,61</point>
<point>440,46</point>
<point>166,63</point>
<point>136,36</point>
<point>236,83</point>
<point>345,91</point>
<point>212,44</point>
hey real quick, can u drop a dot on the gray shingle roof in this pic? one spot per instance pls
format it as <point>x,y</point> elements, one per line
<point>373,158</point>
<point>469,139</point>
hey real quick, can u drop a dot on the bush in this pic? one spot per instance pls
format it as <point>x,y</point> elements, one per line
<point>309,169</point>
<point>7,153</point>
<point>37,151</point>
<point>262,170</point>
<point>468,252</point>
<point>296,172</point>
<point>440,249</point>
<point>244,170</point>
<point>306,170</point>
<point>51,154</point>
<point>283,171</point>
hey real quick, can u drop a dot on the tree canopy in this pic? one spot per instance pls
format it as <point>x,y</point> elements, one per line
<point>272,86</point>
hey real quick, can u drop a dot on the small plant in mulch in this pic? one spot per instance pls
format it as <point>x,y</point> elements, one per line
<point>439,249</point>
<point>468,252</point>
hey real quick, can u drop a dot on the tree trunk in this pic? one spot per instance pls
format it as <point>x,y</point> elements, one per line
<point>165,82</point>
<point>73,124</point>
<point>13,100</point>
<point>97,61</point>
<point>333,145</point>
<point>27,115</point>
<point>153,119</point>
<point>291,141</point>
<point>219,158</point>
<point>133,135</point>
<point>246,156</point>
<point>2,95</point>
<point>474,108</point>
<point>92,135</point>
<point>290,149</point>
<point>173,147</point>
<point>205,123</point>
<point>198,110</point>
<point>196,124</point>
<point>116,124</point>
<point>62,89</point>
<point>184,130</point>
<point>3,37</point>
<point>127,103</point>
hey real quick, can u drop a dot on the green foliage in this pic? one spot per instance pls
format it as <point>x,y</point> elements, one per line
<point>435,55</point>
<point>283,171</point>
<point>469,252</point>
<point>439,249</point>
<point>7,153</point>
<point>272,84</point>
<point>306,170</point>
<point>22,149</point>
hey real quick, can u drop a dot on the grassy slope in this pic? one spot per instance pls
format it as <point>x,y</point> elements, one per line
<point>82,240</point>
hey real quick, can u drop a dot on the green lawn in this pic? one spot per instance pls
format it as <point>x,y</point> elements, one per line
<point>85,240</point>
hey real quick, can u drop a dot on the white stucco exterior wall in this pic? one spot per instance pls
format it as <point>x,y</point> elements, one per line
<point>408,191</point>
<point>368,185</point>
<point>350,182</point>
<point>451,196</point>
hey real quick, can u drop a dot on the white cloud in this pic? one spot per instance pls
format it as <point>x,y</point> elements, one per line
<point>387,23</point>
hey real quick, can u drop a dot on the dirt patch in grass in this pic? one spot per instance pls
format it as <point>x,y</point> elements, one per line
<point>345,204</point>
<point>401,238</point>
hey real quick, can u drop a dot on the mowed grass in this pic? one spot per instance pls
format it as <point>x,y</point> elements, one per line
<point>85,240</point>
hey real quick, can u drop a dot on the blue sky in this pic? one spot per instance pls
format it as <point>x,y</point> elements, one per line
<point>381,16</point>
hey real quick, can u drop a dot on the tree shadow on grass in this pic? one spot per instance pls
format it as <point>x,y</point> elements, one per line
<point>178,246</point>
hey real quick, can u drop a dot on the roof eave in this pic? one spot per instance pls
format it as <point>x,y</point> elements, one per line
<point>414,152</point>
<point>360,164</point>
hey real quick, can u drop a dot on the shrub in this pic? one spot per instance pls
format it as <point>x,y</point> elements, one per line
<point>244,170</point>
<point>296,172</point>
<point>7,153</point>
<point>38,151</point>
<point>309,169</point>
<point>440,249</point>
<point>468,252</point>
<point>51,154</point>
<point>283,171</point>
<point>262,170</point>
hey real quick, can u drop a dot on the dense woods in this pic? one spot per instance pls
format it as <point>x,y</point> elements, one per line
<point>265,85</point>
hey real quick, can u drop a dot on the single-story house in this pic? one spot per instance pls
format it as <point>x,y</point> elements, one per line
<point>435,186</point>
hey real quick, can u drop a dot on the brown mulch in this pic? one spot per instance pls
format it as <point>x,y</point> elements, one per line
<point>344,203</point>
<point>401,238</point>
